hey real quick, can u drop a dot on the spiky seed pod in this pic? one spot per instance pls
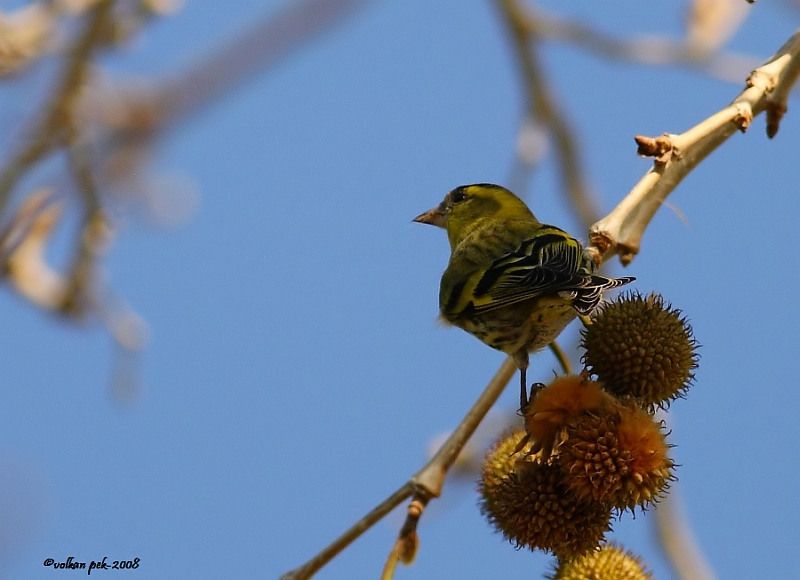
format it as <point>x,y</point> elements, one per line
<point>619,458</point>
<point>641,348</point>
<point>527,501</point>
<point>607,563</point>
<point>560,402</point>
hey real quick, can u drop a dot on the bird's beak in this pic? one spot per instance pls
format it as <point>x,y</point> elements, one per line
<point>434,216</point>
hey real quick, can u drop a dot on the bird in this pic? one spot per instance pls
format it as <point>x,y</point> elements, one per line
<point>512,281</point>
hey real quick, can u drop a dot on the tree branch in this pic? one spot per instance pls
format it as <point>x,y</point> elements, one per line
<point>676,156</point>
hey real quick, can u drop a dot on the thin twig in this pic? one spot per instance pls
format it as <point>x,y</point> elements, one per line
<point>361,526</point>
<point>427,483</point>
<point>431,477</point>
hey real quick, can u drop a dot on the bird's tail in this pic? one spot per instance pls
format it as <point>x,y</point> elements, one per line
<point>590,289</point>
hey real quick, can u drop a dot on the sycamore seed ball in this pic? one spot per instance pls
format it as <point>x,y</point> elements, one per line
<point>642,349</point>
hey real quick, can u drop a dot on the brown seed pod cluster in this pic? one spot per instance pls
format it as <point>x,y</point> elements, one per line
<point>593,448</point>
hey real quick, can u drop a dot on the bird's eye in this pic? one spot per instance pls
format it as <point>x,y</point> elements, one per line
<point>458,196</point>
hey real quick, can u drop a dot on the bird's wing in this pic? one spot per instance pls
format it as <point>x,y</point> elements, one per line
<point>547,263</point>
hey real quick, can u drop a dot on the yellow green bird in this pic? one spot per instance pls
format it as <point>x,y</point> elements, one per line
<point>512,281</point>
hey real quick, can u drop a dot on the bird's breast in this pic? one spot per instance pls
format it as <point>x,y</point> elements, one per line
<point>527,326</point>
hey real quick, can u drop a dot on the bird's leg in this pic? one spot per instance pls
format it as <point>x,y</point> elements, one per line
<point>523,390</point>
<point>521,358</point>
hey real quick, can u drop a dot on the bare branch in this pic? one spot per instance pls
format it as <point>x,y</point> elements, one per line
<point>264,43</point>
<point>767,87</point>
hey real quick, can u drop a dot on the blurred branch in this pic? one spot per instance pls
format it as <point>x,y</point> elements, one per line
<point>58,113</point>
<point>136,117</point>
<point>107,133</point>
<point>426,484</point>
<point>543,109</point>
<point>677,540</point>
<point>91,234</point>
<point>24,36</point>
<point>676,156</point>
<point>711,23</point>
<point>675,535</point>
<point>653,51</point>
<point>265,43</point>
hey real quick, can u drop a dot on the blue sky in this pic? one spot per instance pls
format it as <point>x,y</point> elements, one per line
<point>296,373</point>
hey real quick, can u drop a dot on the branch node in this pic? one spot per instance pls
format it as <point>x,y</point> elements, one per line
<point>660,147</point>
<point>762,79</point>
<point>744,116</point>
